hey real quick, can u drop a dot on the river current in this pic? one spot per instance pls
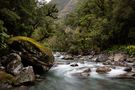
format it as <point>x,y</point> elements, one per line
<point>60,78</point>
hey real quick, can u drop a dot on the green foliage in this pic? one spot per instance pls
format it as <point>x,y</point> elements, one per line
<point>129,49</point>
<point>101,23</point>
<point>26,18</point>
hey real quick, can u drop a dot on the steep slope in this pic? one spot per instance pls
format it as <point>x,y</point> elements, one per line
<point>65,6</point>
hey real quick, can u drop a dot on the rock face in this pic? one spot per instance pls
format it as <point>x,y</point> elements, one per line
<point>103,69</point>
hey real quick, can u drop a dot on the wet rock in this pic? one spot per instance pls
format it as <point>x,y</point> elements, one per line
<point>108,62</point>
<point>111,57</point>
<point>103,69</point>
<point>129,75</point>
<point>120,57</point>
<point>68,57</point>
<point>102,58</point>
<point>80,75</point>
<point>14,66</point>
<point>130,60</point>
<point>57,54</point>
<point>128,69</point>
<point>26,76</point>
<point>74,65</point>
<point>119,63</point>
<point>84,72</point>
<point>133,64</point>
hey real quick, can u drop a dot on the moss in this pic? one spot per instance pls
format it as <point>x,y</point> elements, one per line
<point>43,49</point>
<point>6,78</point>
<point>38,45</point>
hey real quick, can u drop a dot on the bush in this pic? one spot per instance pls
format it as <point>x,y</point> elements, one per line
<point>130,49</point>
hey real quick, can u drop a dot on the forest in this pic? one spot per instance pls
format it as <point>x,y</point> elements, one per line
<point>94,25</point>
<point>37,36</point>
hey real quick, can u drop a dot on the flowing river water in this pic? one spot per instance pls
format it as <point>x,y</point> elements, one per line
<point>60,77</point>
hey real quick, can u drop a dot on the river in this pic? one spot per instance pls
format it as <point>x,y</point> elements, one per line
<point>60,78</point>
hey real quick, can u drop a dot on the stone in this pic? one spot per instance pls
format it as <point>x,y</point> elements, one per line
<point>103,69</point>
<point>128,69</point>
<point>130,60</point>
<point>108,62</point>
<point>14,66</point>
<point>119,63</point>
<point>129,75</point>
<point>86,70</point>
<point>74,65</point>
<point>57,54</point>
<point>102,58</point>
<point>120,57</point>
<point>83,74</point>
<point>68,57</point>
<point>26,76</point>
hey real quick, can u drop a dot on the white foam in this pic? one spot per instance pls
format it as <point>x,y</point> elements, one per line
<point>116,72</point>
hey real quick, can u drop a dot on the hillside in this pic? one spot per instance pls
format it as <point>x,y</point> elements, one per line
<point>65,6</point>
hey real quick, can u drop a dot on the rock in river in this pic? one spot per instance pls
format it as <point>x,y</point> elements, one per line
<point>103,69</point>
<point>27,76</point>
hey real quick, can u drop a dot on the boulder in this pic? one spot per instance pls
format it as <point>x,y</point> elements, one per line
<point>68,57</point>
<point>130,60</point>
<point>120,63</point>
<point>14,66</point>
<point>103,69</point>
<point>108,62</point>
<point>102,58</point>
<point>128,69</point>
<point>33,53</point>
<point>74,65</point>
<point>84,73</point>
<point>129,75</point>
<point>26,76</point>
<point>120,57</point>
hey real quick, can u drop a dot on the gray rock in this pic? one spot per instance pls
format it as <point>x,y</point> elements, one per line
<point>108,62</point>
<point>26,76</point>
<point>129,75</point>
<point>83,74</point>
<point>103,69</point>
<point>120,57</point>
<point>102,58</point>
<point>14,66</point>
<point>130,60</point>
<point>68,57</point>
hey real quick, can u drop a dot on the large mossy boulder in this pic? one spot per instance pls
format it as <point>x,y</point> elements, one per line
<point>32,53</point>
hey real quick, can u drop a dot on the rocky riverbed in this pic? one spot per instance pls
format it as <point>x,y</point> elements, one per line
<point>91,72</point>
<point>121,64</point>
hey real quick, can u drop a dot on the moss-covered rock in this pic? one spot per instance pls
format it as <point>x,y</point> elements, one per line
<point>32,53</point>
<point>6,78</point>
